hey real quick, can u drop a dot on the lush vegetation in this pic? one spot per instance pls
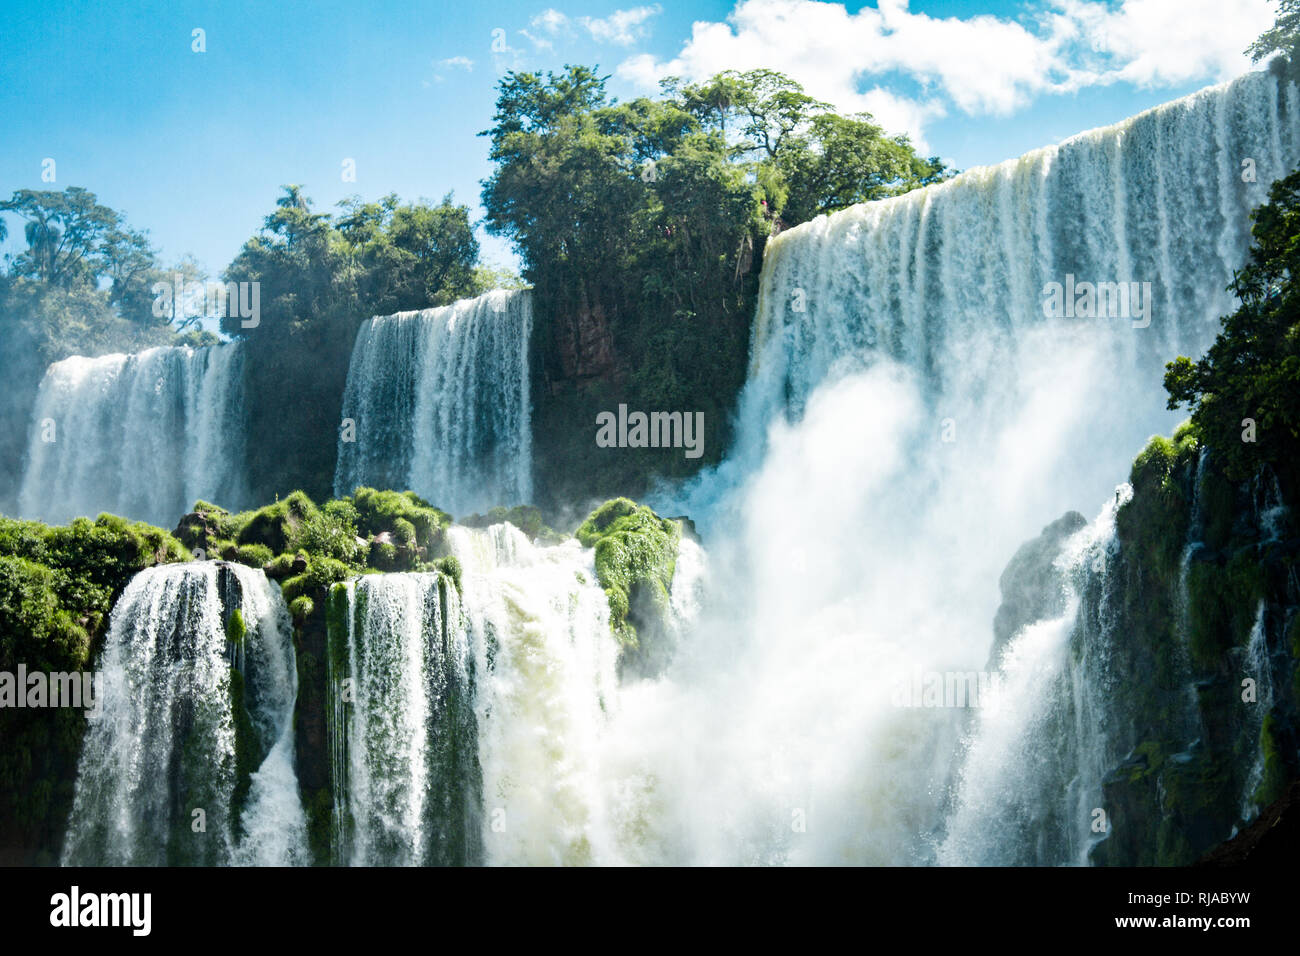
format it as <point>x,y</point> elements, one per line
<point>80,287</point>
<point>320,276</point>
<point>636,557</point>
<point>1244,393</point>
<point>57,586</point>
<point>641,227</point>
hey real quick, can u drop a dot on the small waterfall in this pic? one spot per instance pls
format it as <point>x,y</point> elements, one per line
<point>1257,667</point>
<point>142,435</point>
<point>440,403</point>
<point>539,624</point>
<point>1047,691</point>
<point>191,759</point>
<point>402,733</point>
<point>482,729</point>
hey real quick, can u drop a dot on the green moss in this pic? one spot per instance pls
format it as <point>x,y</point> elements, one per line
<point>253,555</point>
<point>1276,777</point>
<point>1217,500</point>
<point>276,525</point>
<point>302,607</point>
<point>321,573</point>
<point>236,631</point>
<point>635,557</point>
<point>1153,523</point>
<point>247,758</point>
<point>378,512</point>
<point>450,566</point>
<point>1222,602</point>
<point>57,585</point>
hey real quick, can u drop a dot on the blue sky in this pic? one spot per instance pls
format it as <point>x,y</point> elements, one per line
<point>194,146</point>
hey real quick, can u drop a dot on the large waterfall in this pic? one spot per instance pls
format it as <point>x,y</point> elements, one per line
<point>913,414</point>
<point>437,402</point>
<point>190,759</point>
<point>142,435</point>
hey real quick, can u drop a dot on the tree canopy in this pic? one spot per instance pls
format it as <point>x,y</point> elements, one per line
<point>1252,371</point>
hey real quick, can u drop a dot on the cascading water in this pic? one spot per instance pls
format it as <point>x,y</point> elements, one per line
<point>1048,692</point>
<point>482,729</point>
<point>540,625</point>
<point>439,400</point>
<point>911,416</point>
<point>191,757</point>
<point>402,733</point>
<point>142,435</point>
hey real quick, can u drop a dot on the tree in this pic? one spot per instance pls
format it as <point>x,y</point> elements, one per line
<point>641,226</point>
<point>1252,371</point>
<point>1283,37</point>
<point>319,276</point>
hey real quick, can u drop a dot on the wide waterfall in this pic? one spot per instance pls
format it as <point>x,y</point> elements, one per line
<point>913,413</point>
<point>142,435</point>
<point>190,758</point>
<point>437,402</point>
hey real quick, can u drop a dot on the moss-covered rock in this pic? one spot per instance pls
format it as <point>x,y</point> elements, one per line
<point>636,556</point>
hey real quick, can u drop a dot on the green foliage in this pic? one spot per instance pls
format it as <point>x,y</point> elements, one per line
<point>253,555</point>
<point>57,585</point>
<point>82,286</point>
<point>1283,37</point>
<point>1252,371</point>
<point>278,525</point>
<point>1154,521</point>
<point>321,573</point>
<point>302,607</point>
<point>636,556</point>
<point>1222,599</point>
<point>450,566</point>
<point>319,276</point>
<point>378,511</point>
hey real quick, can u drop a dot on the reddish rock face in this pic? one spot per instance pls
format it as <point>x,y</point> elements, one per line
<point>585,342</point>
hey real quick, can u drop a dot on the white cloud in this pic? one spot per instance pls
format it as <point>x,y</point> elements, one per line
<point>622,27</point>
<point>458,62</point>
<point>907,67</point>
<point>550,21</point>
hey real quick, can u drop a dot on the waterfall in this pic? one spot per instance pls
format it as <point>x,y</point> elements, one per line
<point>402,734</point>
<point>540,625</point>
<point>142,435</point>
<point>438,401</point>
<point>483,729</point>
<point>1038,748</point>
<point>190,759</point>
<point>911,415</point>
